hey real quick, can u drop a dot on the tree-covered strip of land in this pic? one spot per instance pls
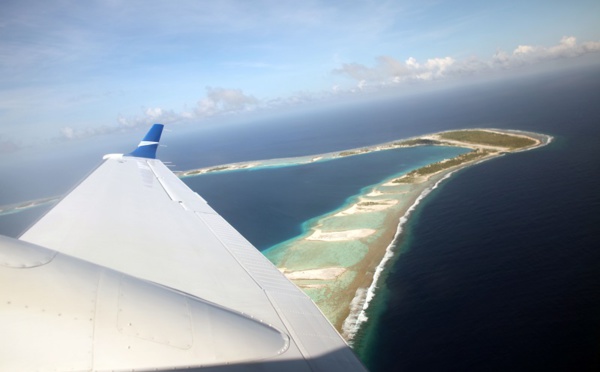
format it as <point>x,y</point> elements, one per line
<point>441,165</point>
<point>354,152</point>
<point>482,137</point>
<point>417,142</point>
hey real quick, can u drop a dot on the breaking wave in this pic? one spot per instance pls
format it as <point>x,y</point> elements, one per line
<point>362,298</point>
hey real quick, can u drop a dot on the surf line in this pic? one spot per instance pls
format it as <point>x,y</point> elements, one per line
<point>362,299</point>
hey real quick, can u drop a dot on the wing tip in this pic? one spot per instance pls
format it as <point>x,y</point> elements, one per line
<point>147,147</point>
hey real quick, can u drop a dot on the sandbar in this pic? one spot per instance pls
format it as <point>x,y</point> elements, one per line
<point>336,236</point>
<point>327,273</point>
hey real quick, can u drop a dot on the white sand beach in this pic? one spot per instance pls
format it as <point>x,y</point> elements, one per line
<point>336,236</point>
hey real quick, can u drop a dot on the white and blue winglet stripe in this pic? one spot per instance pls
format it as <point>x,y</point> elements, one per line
<point>149,144</point>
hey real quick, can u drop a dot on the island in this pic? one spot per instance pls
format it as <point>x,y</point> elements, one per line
<point>340,258</point>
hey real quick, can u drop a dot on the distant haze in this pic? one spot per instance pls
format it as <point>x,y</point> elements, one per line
<point>72,70</point>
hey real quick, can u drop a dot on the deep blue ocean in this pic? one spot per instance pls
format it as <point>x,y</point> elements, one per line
<point>498,268</point>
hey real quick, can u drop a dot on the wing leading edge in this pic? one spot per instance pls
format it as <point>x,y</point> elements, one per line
<point>133,270</point>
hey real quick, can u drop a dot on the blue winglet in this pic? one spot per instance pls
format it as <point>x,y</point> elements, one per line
<point>148,145</point>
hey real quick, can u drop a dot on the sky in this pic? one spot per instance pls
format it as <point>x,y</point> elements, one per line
<point>76,69</point>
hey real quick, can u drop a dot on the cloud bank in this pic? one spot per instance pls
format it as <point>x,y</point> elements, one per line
<point>221,100</point>
<point>218,101</point>
<point>8,146</point>
<point>388,70</point>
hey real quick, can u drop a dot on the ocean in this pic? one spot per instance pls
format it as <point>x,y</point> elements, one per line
<point>500,267</point>
<point>497,269</point>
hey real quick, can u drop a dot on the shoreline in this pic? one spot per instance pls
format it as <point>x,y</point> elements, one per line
<point>388,204</point>
<point>413,141</point>
<point>353,323</point>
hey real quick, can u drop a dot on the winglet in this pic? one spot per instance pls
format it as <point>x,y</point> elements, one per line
<point>148,145</point>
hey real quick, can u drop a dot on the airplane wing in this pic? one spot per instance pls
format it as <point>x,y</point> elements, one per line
<point>132,270</point>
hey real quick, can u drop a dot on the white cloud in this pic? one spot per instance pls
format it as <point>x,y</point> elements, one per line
<point>222,100</point>
<point>68,132</point>
<point>529,54</point>
<point>567,47</point>
<point>388,70</point>
<point>217,101</point>
<point>8,146</point>
<point>523,49</point>
<point>150,115</point>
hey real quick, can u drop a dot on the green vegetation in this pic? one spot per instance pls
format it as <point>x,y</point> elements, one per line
<point>442,165</point>
<point>417,142</point>
<point>354,152</point>
<point>488,138</point>
<point>189,173</point>
<point>369,203</point>
<point>216,169</point>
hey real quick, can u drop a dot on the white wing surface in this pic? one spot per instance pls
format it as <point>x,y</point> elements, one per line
<point>132,270</point>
